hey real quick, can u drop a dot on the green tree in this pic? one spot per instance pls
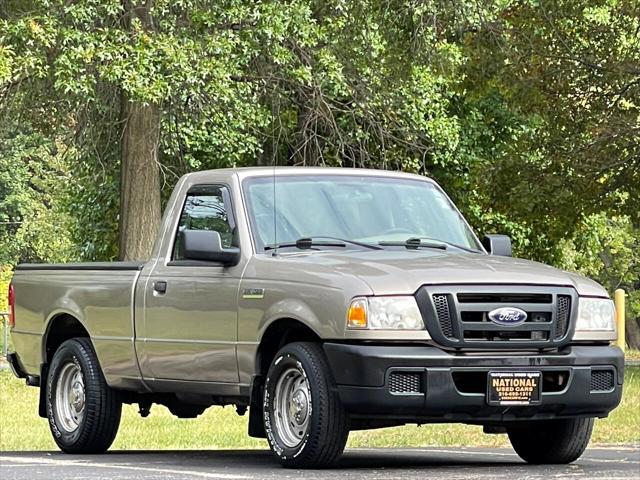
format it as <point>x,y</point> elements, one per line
<point>607,249</point>
<point>201,84</point>
<point>33,222</point>
<point>122,65</point>
<point>567,77</point>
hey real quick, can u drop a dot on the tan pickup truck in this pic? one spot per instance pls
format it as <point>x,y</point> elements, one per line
<point>322,300</point>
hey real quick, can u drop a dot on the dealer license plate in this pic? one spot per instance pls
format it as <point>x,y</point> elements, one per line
<point>514,388</point>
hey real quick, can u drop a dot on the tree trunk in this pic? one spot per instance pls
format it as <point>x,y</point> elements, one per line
<point>139,179</point>
<point>632,332</point>
<point>139,169</point>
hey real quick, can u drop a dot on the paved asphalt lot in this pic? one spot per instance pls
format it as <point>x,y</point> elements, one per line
<point>388,464</point>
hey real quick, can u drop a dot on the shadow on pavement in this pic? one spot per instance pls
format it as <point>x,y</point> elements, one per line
<point>243,460</point>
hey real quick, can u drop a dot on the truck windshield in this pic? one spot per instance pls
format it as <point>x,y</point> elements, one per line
<point>365,209</point>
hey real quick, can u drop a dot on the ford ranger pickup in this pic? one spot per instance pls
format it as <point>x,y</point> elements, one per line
<point>321,301</point>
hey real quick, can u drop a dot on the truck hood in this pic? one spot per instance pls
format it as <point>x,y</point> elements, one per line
<point>392,272</point>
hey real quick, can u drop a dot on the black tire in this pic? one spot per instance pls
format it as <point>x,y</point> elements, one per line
<point>99,420</point>
<point>552,441</point>
<point>328,426</point>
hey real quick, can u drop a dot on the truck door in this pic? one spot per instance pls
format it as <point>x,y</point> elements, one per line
<point>189,327</point>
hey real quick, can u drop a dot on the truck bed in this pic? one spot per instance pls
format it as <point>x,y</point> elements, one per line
<point>99,295</point>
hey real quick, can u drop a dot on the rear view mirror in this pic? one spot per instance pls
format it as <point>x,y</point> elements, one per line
<point>497,245</point>
<point>206,245</point>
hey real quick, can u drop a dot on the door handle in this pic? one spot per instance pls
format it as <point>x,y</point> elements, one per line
<point>160,286</point>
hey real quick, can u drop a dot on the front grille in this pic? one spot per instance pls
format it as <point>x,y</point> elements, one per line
<point>441,302</point>
<point>405,382</point>
<point>563,309</point>
<point>601,380</point>
<point>466,297</point>
<point>458,316</point>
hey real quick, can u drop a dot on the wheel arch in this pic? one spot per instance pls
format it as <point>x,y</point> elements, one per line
<point>61,327</point>
<point>279,333</point>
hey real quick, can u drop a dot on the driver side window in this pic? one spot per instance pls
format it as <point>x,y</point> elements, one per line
<point>204,209</point>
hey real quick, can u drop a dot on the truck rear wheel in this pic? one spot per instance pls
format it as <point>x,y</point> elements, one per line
<point>552,441</point>
<point>83,411</point>
<point>304,420</point>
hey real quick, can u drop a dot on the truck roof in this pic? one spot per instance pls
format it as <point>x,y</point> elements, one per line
<point>245,172</point>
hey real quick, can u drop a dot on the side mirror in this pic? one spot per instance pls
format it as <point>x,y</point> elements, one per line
<point>497,245</point>
<point>206,245</point>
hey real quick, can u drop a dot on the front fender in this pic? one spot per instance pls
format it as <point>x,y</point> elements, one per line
<point>293,309</point>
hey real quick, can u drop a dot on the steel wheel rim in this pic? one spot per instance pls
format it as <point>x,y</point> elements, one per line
<point>292,407</point>
<point>70,397</point>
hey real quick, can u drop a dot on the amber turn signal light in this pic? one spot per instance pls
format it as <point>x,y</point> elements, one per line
<point>357,314</point>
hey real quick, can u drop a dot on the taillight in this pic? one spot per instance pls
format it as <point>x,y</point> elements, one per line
<point>12,306</point>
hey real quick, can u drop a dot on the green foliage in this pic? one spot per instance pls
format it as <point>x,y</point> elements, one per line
<point>33,224</point>
<point>567,72</point>
<point>5,278</point>
<point>93,201</point>
<point>617,264</point>
<point>606,249</point>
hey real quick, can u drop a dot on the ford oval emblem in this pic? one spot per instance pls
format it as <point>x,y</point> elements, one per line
<point>508,316</point>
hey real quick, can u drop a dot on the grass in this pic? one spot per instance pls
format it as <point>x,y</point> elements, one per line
<point>221,428</point>
<point>632,354</point>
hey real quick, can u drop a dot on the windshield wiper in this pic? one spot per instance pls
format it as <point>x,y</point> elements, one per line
<point>412,243</point>
<point>304,244</point>
<point>354,242</point>
<point>307,243</point>
<point>419,242</point>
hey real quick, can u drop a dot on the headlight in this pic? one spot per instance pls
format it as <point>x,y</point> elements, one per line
<point>385,313</point>
<point>596,319</point>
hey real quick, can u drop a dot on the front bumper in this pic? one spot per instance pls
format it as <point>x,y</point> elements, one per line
<point>452,389</point>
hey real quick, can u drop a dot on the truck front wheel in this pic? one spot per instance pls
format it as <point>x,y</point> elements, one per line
<point>304,420</point>
<point>83,411</point>
<point>552,441</point>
